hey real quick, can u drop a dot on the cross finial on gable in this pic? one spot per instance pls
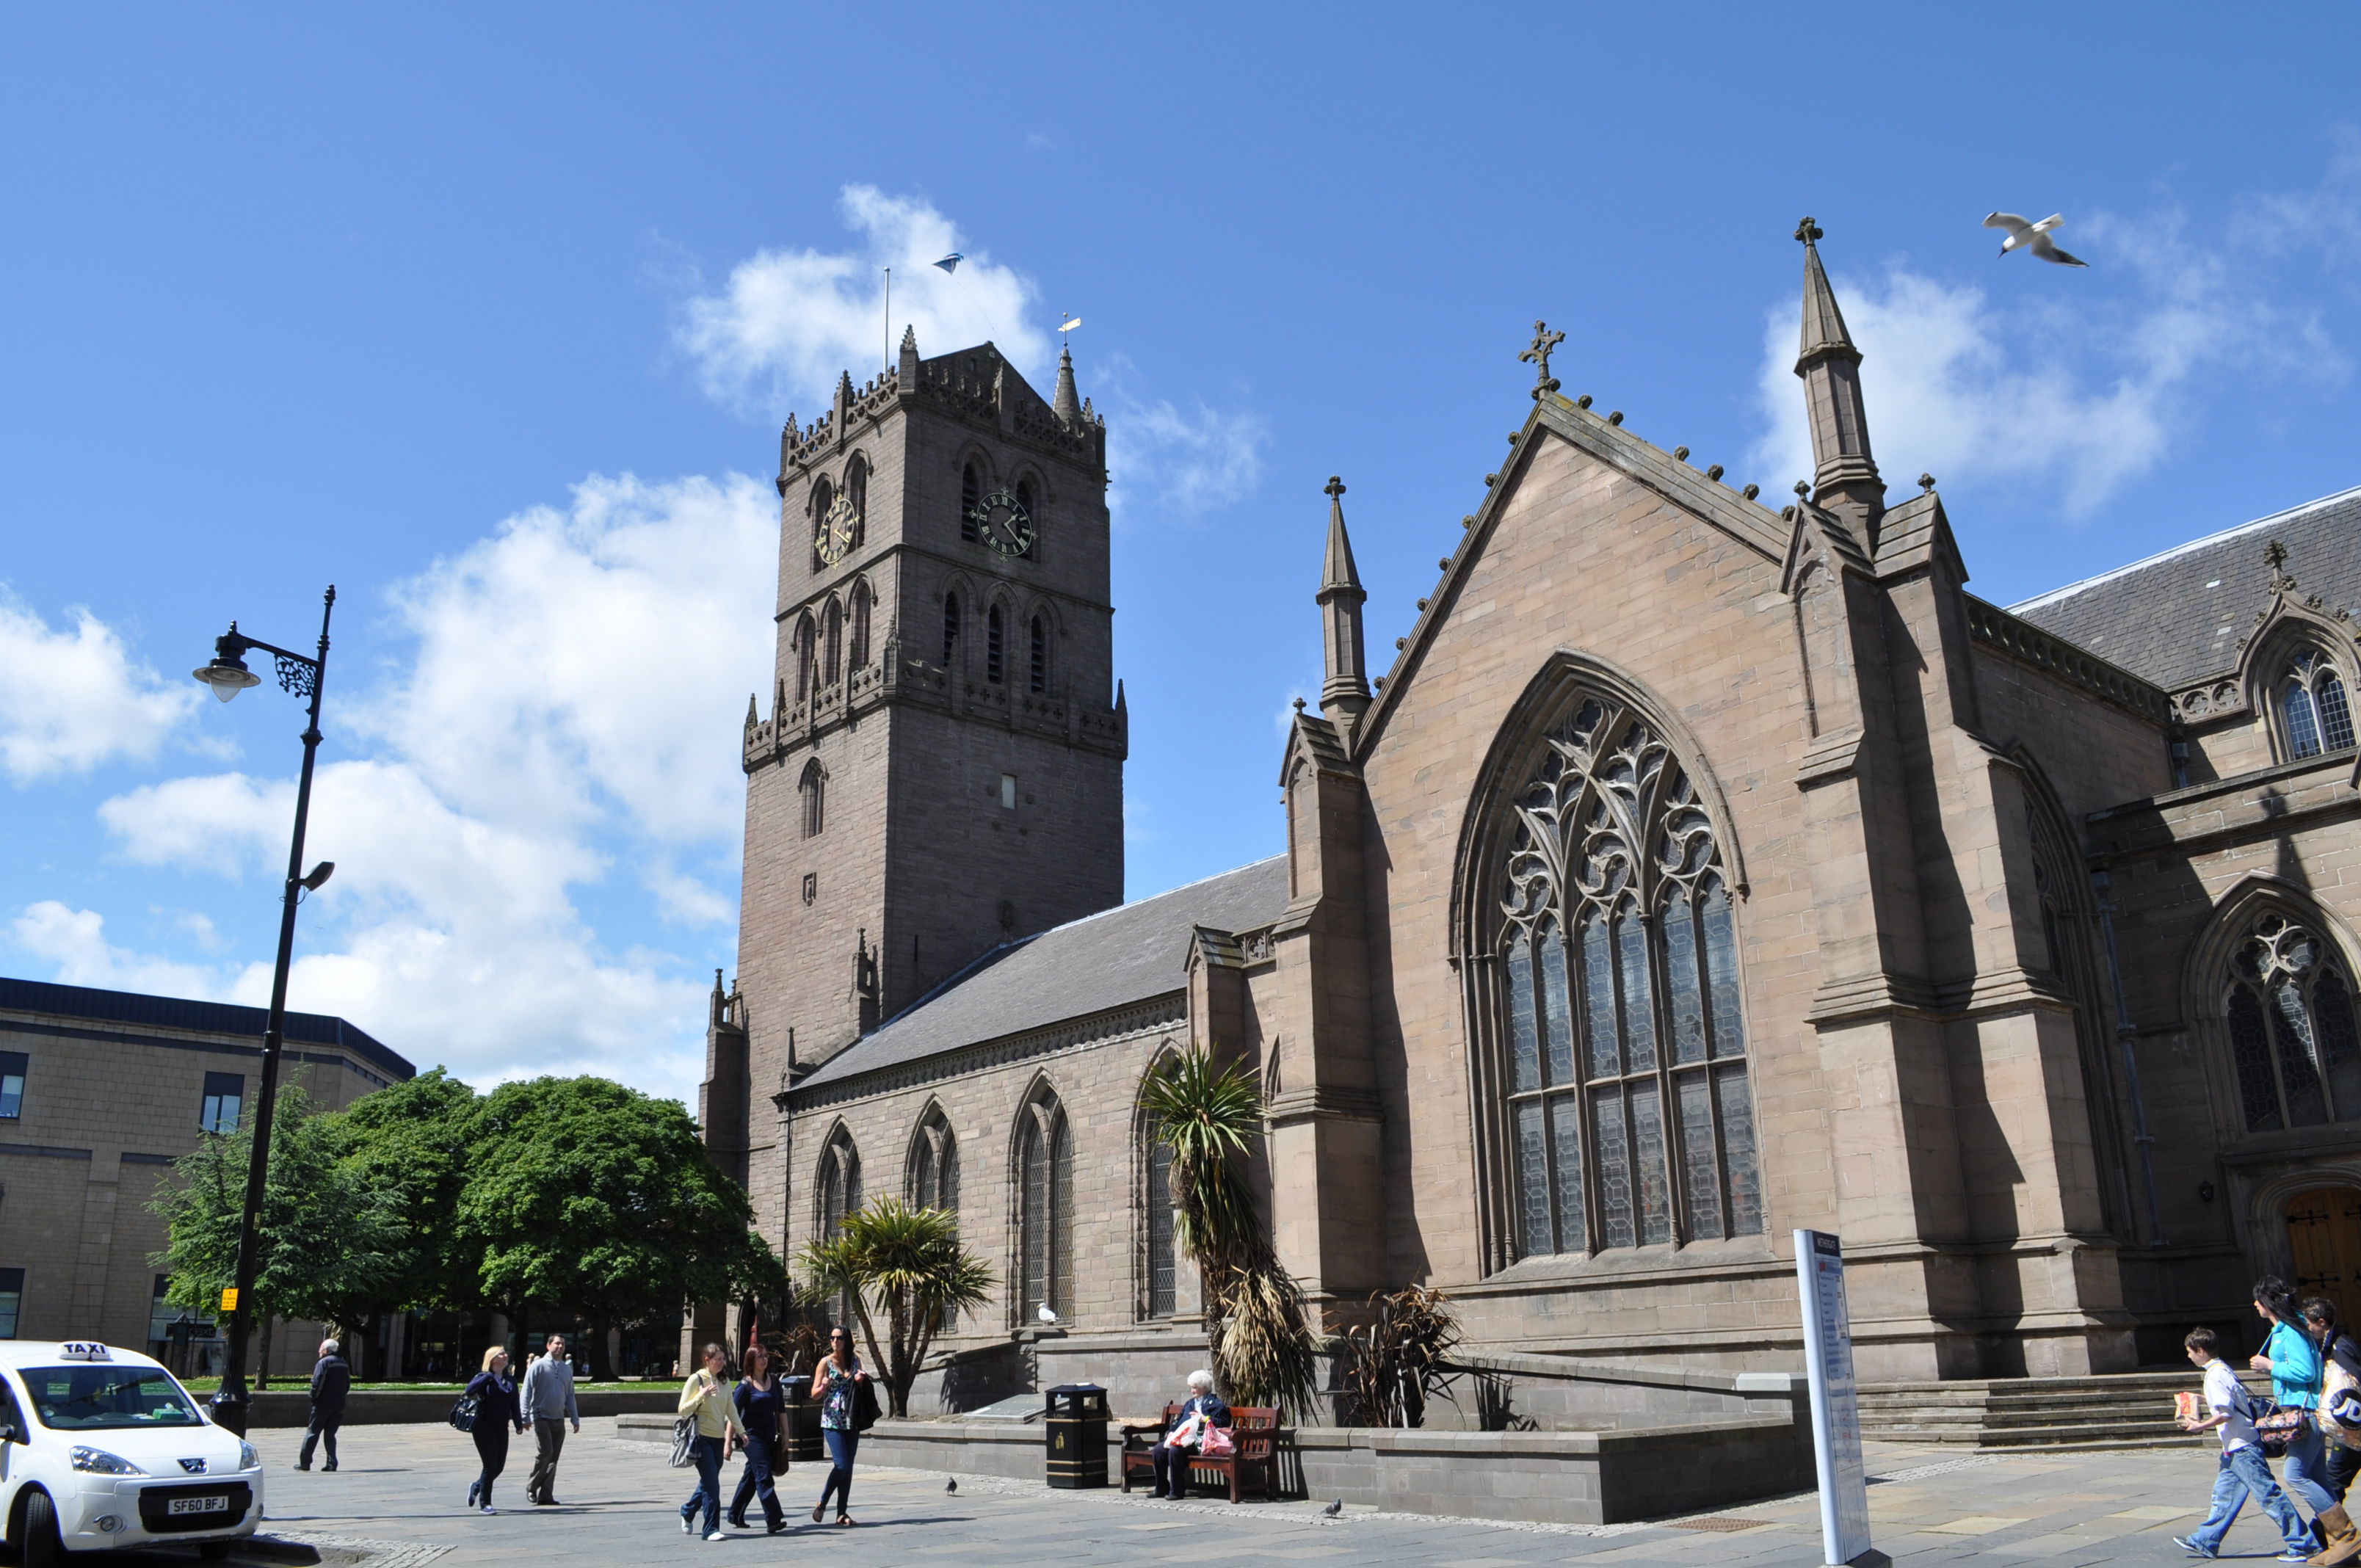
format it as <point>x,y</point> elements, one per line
<point>1808,231</point>
<point>1538,354</point>
<point>1335,486</point>
<point>2276,554</point>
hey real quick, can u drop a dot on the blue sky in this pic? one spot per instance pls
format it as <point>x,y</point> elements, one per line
<point>489,316</point>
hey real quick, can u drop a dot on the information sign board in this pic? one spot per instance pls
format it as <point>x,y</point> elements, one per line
<point>1836,1407</point>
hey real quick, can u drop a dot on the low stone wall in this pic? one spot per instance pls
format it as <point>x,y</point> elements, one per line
<point>372,1406</point>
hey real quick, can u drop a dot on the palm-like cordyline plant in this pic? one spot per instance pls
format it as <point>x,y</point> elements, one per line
<point>1207,1116</point>
<point>906,1263</point>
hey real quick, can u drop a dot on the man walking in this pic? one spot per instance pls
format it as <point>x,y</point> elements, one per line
<point>331,1381</point>
<point>549,1405</point>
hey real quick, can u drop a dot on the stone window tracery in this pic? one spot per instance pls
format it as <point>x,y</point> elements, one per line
<point>839,1190</point>
<point>1045,1188</point>
<point>1629,1116</point>
<point>2314,706</point>
<point>2289,1006</point>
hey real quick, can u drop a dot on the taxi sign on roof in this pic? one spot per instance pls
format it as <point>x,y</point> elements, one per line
<point>76,1349</point>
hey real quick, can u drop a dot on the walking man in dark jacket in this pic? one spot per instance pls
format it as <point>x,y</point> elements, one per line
<point>331,1381</point>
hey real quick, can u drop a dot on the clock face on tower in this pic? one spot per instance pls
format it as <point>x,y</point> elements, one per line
<point>1002,523</point>
<point>835,535</point>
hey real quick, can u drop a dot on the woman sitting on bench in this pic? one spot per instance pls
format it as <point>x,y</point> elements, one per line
<point>1187,1435</point>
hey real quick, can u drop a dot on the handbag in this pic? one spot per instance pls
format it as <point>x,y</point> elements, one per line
<point>1219,1443</point>
<point>463,1412</point>
<point>684,1442</point>
<point>2275,1426</point>
<point>864,1404</point>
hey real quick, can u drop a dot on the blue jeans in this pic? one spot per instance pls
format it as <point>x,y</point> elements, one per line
<point>2244,1475</point>
<point>841,1446</point>
<point>2307,1467</point>
<point>753,1482</point>
<point>707,1452</point>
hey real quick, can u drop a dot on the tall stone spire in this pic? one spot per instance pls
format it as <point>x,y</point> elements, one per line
<point>1845,475</point>
<point>1066,405</point>
<point>1346,693</point>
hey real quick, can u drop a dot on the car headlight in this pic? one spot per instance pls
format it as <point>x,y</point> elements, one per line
<point>98,1462</point>
<point>246,1458</point>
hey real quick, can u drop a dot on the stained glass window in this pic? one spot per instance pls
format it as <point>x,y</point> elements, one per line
<point>1045,1186</point>
<point>2292,1043</point>
<point>2313,700</point>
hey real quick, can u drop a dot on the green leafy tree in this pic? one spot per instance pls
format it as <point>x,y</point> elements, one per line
<point>585,1195</point>
<point>408,1141</point>
<point>1256,1315</point>
<point>329,1241</point>
<point>906,1263</point>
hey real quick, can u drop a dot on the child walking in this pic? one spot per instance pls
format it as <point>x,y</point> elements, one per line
<point>2243,1471</point>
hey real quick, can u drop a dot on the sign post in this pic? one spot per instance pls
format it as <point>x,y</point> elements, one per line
<point>1836,1409</point>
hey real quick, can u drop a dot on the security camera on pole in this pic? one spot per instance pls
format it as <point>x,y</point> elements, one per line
<point>300,677</point>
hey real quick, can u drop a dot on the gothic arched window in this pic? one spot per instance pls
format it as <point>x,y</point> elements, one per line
<point>839,1188</point>
<point>2290,1007</point>
<point>1045,1191</point>
<point>994,651</point>
<point>859,648</point>
<point>804,641</point>
<point>2313,702</point>
<point>823,495</point>
<point>856,490</point>
<point>934,1176</point>
<point>951,631</point>
<point>1025,499</point>
<point>971,495</point>
<point>1629,1117</point>
<point>1157,1295</point>
<point>813,788</point>
<point>1039,680</point>
<point>831,643</point>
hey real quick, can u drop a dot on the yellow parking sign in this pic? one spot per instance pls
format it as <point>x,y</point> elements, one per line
<point>229,1299</point>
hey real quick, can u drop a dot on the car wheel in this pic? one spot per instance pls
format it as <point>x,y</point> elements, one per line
<point>38,1542</point>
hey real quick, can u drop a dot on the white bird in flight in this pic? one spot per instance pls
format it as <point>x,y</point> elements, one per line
<point>2033,237</point>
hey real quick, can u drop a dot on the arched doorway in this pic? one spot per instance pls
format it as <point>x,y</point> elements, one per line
<point>2324,1236</point>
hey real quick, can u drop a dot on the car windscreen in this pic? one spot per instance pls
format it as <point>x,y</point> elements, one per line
<point>93,1399</point>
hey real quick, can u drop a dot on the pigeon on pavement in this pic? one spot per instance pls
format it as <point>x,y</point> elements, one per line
<point>2033,237</point>
<point>950,1487</point>
<point>1333,1510</point>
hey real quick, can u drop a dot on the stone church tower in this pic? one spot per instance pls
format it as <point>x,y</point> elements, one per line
<point>942,768</point>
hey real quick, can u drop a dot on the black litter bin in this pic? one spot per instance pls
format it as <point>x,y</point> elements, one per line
<point>1077,1420</point>
<point>799,1422</point>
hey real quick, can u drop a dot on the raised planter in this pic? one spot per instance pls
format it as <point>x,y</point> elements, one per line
<point>371,1407</point>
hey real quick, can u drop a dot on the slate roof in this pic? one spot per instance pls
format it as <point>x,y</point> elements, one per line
<point>2176,618</point>
<point>200,1017</point>
<point>1088,966</point>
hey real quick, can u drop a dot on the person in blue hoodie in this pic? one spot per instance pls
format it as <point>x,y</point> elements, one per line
<point>2292,1361</point>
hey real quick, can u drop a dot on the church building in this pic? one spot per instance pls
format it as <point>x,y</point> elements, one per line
<point>1700,867</point>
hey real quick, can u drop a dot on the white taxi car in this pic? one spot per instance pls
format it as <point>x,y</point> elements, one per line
<point>103,1448</point>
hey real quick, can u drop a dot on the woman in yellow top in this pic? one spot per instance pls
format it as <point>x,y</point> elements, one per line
<point>706,1395</point>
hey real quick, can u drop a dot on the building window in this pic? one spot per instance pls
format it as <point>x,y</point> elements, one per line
<point>993,652</point>
<point>856,490</point>
<point>831,644</point>
<point>2290,1007</point>
<point>224,1097</point>
<point>934,1177</point>
<point>951,631</point>
<point>1045,1186</point>
<point>971,495</point>
<point>161,1314</point>
<point>861,599</point>
<point>13,1065</point>
<point>1040,676</point>
<point>2311,697</point>
<point>1157,1226</point>
<point>823,496</point>
<point>839,1194</point>
<point>1025,500</point>
<point>1008,792</point>
<point>1626,1106</point>
<point>12,1298</point>
<point>813,788</point>
<point>803,643</point>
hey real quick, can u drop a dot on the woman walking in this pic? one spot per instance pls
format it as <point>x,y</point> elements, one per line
<point>762,1404</point>
<point>2340,1424</point>
<point>836,1380</point>
<point>2293,1363</point>
<point>495,1394</point>
<point>706,1395</point>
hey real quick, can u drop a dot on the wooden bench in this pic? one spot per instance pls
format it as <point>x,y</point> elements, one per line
<point>1254,1428</point>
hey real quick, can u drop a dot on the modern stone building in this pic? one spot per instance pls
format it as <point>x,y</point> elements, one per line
<point>99,1092</point>
<point>1698,868</point>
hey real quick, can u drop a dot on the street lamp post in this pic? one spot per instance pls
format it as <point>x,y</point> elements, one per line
<point>300,677</point>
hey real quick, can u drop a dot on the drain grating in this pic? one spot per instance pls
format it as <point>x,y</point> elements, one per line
<point>1720,1522</point>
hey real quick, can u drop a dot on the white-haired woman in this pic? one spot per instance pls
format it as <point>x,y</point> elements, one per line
<point>1202,1409</point>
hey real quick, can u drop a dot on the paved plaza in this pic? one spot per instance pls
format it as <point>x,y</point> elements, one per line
<point>396,1504</point>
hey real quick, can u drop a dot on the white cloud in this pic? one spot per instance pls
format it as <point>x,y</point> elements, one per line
<point>789,322</point>
<point>2081,392</point>
<point>572,711</point>
<point>1164,459</point>
<point>73,943</point>
<point>76,699</point>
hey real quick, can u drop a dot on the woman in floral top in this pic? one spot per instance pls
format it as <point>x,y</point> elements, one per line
<point>833,1383</point>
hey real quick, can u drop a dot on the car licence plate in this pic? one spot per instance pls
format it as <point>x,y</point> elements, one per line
<point>217,1504</point>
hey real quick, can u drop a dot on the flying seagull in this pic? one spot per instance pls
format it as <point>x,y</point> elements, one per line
<point>2033,237</point>
<point>1045,1314</point>
<point>951,263</point>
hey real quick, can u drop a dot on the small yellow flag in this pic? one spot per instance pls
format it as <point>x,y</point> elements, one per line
<point>229,1299</point>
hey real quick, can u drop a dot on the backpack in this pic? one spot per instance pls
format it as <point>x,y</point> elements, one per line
<point>463,1412</point>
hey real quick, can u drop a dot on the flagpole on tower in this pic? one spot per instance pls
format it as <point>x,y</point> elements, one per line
<point>889,318</point>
